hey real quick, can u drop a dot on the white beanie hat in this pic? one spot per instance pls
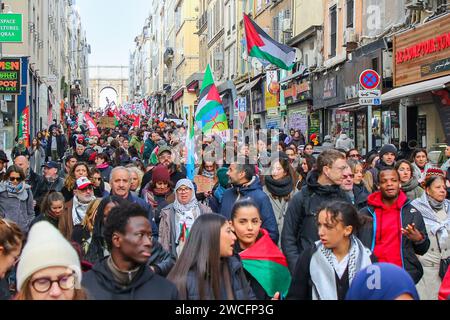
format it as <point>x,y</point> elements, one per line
<point>46,247</point>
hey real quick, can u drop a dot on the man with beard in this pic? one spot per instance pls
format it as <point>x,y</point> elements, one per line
<point>125,274</point>
<point>165,158</point>
<point>83,195</point>
<point>53,181</point>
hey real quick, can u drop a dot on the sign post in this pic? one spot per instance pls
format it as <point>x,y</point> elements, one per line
<point>370,80</point>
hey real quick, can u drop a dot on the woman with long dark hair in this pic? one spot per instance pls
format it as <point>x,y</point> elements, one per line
<point>264,265</point>
<point>37,156</point>
<point>305,165</point>
<point>410,184</point>
<point>207,268</point>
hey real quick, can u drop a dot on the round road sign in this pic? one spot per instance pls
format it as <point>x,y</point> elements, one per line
<point>369,79</point>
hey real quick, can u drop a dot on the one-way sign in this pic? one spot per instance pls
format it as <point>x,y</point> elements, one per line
<point>369,93</point>
<point>370,101</point>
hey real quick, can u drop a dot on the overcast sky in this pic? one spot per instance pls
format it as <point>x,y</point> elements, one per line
<point>111,26</point>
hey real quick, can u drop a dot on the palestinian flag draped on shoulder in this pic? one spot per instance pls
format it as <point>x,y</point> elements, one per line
<point>267,264</point>
<point>260,45</point>
<point>210,116</point>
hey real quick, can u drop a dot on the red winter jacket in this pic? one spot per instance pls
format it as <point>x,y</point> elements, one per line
<point>444,290</point>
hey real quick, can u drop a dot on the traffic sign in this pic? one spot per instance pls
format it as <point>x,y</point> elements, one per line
<point>369,93</point>
<point>369,79</point>
<point>242,110</point>
<point>370,101</point>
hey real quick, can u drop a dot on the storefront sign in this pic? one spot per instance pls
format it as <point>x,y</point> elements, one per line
<point>10,28</point>
<point>24,126</point>
<point>10,76</point>
<point>297,92</point>
<point>298,119</point>
<point>422,53</point>
<point>329,88</point>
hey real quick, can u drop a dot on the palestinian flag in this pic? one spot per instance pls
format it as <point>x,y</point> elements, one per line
<point>267,264</point>
<point>260,45</point>
<point>210,116</point>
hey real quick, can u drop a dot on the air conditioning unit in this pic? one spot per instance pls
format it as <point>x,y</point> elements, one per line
<point>350,36</point>
<point>286,25</point>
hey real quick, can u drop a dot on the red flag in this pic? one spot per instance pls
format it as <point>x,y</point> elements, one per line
<point>93,131</point>
<point>137,122</point>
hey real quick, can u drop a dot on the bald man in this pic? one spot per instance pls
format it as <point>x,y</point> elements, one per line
<point>37,182</point>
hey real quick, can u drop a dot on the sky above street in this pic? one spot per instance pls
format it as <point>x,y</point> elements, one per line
<point>111,26</point>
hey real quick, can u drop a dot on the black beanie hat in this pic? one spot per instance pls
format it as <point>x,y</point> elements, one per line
<point>388,148</point>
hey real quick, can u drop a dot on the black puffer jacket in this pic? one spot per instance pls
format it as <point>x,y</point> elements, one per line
<point>239,284</point>
<point>161,260</point>
<point>409,215</point>
<point>360,193</point>
<point>146,285</point>
<point>300,226</point>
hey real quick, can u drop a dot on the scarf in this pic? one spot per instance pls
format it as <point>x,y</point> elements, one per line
<point>280,188</point>
<point>322,268</point>
<point>410,185</point>
<point>12,189</point>
<point>185,215</point>
<point>436,227</point>
<point>123,278</point>
<point>161,192</point>
<point>434,204</point>
<point>103,166</point>
<point>80,210</point>
<point>207,174</point>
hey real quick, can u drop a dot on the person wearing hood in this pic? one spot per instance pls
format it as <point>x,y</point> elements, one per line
<point>16,198</point>
<point>177,218</point>
<point>149,145</point>
<point>435,210</point>
<point>327,143</point>
<point>410,185</point>
<point>394,283</point>
<point>125,274</point>
<point>397,234</point>
<point>136,141</point>
<point>344,142</point>
<point>246,184</point>
<point>280,187</point>
<point>20,149</point>
<point>322,184</point>
<point>326,270</point>
<point>387,154</point>
<point>215,202</point>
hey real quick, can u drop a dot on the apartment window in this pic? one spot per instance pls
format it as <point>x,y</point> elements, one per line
<point>177,18</point>
<point>228,26</point>
<point>333,31</point>
<point>233,14</point>
<point>276,28</point>
<point>350,13</point>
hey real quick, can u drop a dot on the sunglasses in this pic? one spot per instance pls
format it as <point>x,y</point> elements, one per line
<point>15,179</point>
<point>345,176</point>
<point>354,156</point>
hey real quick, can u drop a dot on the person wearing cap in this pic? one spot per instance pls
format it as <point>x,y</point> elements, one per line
<point>3,163</point>
<point>125,274</point>
<point>49,267</point>
<point>435,210</point>
<point>83,195</point>
<point>16,198</point>
<point>388,282</point>
<point>396,233</point>
<point>52,179</point>
<point>387,154</point>
<point>55,146</point>
<point>178,217</point>
<point>165,158</point>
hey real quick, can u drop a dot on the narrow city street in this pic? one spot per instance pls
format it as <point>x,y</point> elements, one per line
<point>228,150</point>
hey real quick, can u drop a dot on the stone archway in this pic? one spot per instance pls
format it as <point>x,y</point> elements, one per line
<point>107,95</point>
<point>108,78</point>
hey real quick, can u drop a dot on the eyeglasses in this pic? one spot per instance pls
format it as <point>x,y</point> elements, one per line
<point>18,179</point>
<point>183,190</point>
<point>345,176</point>
<point>65,282</point>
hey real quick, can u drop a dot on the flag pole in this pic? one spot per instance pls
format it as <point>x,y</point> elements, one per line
<point>252,122</point>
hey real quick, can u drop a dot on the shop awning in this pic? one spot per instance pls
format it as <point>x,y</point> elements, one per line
<point>350,106</point>
<point>299,74</point>
<point>249,86</point>
<point>416,88</point>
